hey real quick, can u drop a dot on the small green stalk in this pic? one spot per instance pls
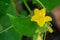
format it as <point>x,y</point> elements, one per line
<point>40,3</point>
<point>25,3</point>
<point>45,36</point>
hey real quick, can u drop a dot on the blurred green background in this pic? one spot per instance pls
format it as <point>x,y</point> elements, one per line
<point>19,9</point>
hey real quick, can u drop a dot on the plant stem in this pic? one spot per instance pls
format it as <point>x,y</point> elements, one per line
<point>25,3</point>
<point>45,36</point>
<point>40,3</point>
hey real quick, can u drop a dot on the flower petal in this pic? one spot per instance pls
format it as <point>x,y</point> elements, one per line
<point>41,23</point>
<point>34,18</point>
<point>36,11</point>
<point>50,29</point>
<point>47,18</point>
<point>43,11</point>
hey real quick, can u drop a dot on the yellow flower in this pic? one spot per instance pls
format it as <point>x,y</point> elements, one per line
<point>50,29</point>
<point>40,18</point>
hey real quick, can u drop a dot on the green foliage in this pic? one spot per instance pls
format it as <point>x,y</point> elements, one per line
<point>4,4</point>
<point>21,25</point>
<point>10,35</point>
<point>49,4</point>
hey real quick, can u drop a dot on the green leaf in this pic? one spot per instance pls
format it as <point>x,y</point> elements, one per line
<point>50,4</point>
<point>4,22</point>
<point>4,4</point>
<point>10,35</point>
<point>23,25</point>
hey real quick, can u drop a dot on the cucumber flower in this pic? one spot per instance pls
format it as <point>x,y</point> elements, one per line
<point>40,18</point>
